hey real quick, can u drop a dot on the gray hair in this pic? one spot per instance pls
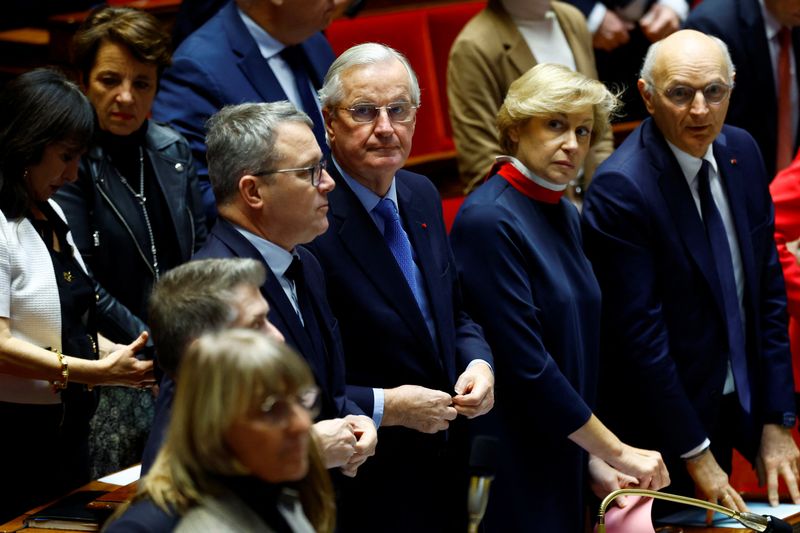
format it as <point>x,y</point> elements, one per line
<point>652,53</point>
<point>195,298</point>
<point>360,55</point>
<point>241,140</point>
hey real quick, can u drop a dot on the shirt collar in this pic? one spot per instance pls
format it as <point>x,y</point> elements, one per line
<point>541,182</point>
<point>267,44</point>
<point>771,25</point>
<point>367,197</point>
<point>276,257</point>
<point>690,165</point>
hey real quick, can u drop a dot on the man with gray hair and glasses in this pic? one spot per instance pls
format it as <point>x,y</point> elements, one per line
<point>415,360</point>
<point>678,225</point>
<point>268,175</point>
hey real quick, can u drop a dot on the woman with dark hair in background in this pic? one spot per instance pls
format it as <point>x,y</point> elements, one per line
<point>48,337</point>
<point>135,208</point>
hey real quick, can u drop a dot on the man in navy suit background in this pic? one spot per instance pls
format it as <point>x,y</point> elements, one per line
<point>269,178</point>
<point>249,51</point>
<point>678,225</point>
<point>753,30</point>
<point>415,360</point>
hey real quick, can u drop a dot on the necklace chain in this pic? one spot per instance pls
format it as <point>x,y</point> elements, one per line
<point>142,199</point>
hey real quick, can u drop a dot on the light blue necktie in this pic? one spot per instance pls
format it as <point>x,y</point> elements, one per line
<point>398,242</point>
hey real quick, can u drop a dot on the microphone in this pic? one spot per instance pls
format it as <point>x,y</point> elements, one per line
<point>756,522</point>
<point>482,466</point>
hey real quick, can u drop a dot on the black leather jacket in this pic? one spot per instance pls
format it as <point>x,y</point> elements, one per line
<point>108,226</point>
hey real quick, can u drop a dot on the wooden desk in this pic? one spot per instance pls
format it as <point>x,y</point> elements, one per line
<point>115,495</point>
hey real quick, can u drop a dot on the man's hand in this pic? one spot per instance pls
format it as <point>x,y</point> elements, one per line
<point>712,482</point>
<point>336,440</point>
<point>613,32</point>
<point>474,391</point>
<point>367,435</point>
<point>659,22</point>
<point>415,407</point>
<point>778,455</point>
<point>605,479</point>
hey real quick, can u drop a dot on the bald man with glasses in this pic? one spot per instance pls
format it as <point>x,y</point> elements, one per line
<point>678,225</point>
<point>416,363</point>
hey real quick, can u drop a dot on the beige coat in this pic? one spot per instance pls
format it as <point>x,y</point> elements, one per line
<point>486,57</point>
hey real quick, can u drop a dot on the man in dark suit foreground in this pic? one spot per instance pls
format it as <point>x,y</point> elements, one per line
<point>192,299</point>
<point>415,360</point>
<point>678,225</point>
<point>269,178</point>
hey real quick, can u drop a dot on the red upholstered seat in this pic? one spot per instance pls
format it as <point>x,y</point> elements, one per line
<point>445,23</point>
<point>406,31</point>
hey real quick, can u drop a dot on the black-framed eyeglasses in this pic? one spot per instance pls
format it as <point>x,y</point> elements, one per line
<point>276,410</point>
<point>314,172</point>
<point>398,112</point>
<point>683,95</point>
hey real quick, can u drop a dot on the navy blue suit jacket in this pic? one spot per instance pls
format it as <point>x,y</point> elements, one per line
<point>218,65</point>
<point>740,24</point>
<point>328,365</point>
<point>417,480</point>
<point>386,340</point>
<point>664,342</point>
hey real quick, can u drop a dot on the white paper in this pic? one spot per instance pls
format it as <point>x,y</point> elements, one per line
<point>127,476</point>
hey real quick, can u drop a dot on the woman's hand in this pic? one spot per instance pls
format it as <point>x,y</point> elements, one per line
<point>646,466</point>
<point>121,367</point>
<point>605,479</point>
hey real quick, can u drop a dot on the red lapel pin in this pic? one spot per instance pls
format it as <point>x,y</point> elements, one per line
<point>733,161</point>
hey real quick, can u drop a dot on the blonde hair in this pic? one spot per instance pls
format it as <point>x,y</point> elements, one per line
<point>225,375</point>
<point>549,88</point>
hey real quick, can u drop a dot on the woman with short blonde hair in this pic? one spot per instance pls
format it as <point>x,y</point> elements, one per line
<point>526,281</point>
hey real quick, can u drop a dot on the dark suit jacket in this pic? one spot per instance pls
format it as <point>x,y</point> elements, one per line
<point>323,355</point>
<point>218,65</point>
<point>740,24</point>
<point>664,341</point>
<point>325,359</point>
<point>387,344</point>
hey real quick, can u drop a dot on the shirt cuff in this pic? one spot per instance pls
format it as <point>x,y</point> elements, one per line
<point>596,16</point>
<point>377,406</point>
<point>479,361</point>
<point>697,450</point>
<point>681,7</point>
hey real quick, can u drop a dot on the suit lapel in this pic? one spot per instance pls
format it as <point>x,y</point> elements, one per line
<point>517,50</point>
<point>252,63</point>
<point>282,313</point>
<point>361,238</point>
<point>416,223</point>
<point>681,204</point>
<point>733,177</point>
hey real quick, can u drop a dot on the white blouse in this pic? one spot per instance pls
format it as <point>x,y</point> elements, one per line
<point>29,299</point>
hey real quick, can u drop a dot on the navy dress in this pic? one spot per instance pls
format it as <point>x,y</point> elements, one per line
<point>527,282</point>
